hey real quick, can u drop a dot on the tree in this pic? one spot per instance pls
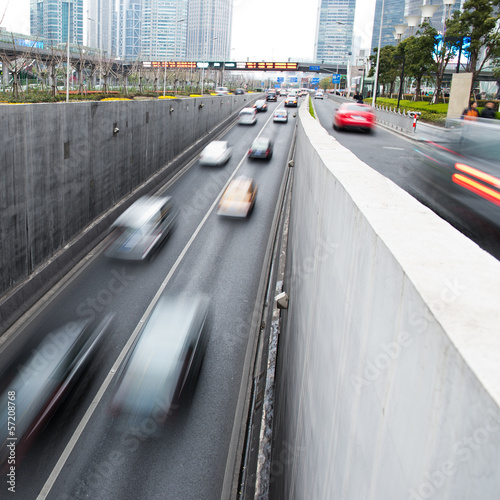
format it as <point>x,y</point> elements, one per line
<point>418,51</point>
<point>479,20</point>
<point>388,69</point>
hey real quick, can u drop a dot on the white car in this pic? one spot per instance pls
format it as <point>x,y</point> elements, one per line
<point>221,90</point>
<point>247,116</point>
<point>319,95</point>
<point>280,115</point>
<point>216,153</point>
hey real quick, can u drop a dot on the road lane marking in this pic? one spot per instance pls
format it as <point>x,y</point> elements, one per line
<point>107,381</point>
<point>391,147</point>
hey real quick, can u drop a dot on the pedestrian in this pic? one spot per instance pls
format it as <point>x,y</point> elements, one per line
<point>488,110</point>
<point>470,113</point>
<point>358,98</point>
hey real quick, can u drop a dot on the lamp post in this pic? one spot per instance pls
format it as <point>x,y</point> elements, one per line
<point>67,58</point>
<point>165,63</point>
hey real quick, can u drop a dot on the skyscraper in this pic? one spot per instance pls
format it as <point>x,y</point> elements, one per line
<point>49,20</point>
<point>101,30</point>
<point>334,31</point>
<point>209,30</point>
<point>152,30</point>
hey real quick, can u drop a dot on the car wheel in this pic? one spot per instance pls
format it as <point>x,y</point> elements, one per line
<point>335,127</point>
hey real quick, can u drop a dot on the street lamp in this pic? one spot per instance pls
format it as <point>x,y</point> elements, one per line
<point>165,63</point>
<point>205,62</point>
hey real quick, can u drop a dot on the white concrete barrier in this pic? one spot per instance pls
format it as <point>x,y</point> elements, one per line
<point>388,382</point>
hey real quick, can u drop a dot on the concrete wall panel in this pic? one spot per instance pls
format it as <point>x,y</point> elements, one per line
<point>388,377</point>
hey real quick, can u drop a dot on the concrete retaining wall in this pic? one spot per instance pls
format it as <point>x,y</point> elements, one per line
<point>388,377</point>
<point>63,165</point>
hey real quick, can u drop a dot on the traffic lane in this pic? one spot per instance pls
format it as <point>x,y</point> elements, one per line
<point>386,152</point>
<point>188,460</point>
<point>128,288</point>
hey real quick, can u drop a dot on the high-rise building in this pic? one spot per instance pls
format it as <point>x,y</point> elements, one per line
<point>49,20</point>
<point>101,27</point>
<point>334,31</point>
<point>152,30</point>
<point>209,30</point>
<point>394,14</point>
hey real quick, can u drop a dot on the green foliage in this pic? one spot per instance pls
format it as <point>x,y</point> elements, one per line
<point>311,108</point>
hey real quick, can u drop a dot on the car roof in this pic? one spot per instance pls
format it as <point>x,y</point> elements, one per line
<point>141,211</point>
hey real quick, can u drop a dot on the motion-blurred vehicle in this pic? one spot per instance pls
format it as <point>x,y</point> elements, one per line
<point>303,92</point>
<point>283,92</point>
<point>247,116</point>
<point>35,386</point>
<point>239,198</point>
<point>165,359</point>
<point>354,116</point>
<point>141,229</point>
<point>280,115</point>
<point>260,105</point>
<point>271,96</point>
<point>319,94</point>
<point>221,90</point>
<point>239,91</point>
<point>216,153</point>
<point>262,147</point>
<point>291,100</point>
<point>463,165</point>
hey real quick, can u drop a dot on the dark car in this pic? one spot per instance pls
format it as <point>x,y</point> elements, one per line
<point>354,116</point>
<point>142,228</point>
<point>262,147</point>
<point>239,91</point>
<point>165,359</point>
<point>271,96</point>
<point>35,387</point>
<point>260,105</point>
<point>461,169</point>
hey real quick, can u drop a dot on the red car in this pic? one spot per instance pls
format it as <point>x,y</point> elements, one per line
<point>352,115</point>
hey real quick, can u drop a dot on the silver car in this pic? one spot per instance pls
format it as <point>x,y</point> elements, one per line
<point>142,228</point>
<point>216,153</point>
<point>165,359</point>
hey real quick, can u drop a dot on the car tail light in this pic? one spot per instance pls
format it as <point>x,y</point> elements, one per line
<point>486,192</point>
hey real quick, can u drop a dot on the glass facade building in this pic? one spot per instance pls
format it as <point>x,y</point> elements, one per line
<point>334,31</point>
<point>209,30</point>
<point>49,20</point>
<point>101,26</point>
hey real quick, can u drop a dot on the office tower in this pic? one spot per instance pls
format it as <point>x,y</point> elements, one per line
<point>334,31</point>
<point>101,32</point>
<point>209,30</point>
<point>49,20</point>
<point>152,30</point>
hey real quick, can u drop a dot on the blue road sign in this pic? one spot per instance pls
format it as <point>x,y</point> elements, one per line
<point>314,80</point>
<point>293,79</point>
<point>314,68</point>
<point>280,79</point>
<point>335,78</point>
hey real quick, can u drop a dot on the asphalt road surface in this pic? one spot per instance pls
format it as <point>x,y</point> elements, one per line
<point>185,456</point>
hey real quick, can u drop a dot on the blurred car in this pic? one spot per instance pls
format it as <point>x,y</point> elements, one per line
<point>319,94</point>
<point>303,93</point>
<point>260,105</point>
<point>247,116</point>
<point>283,92</point>
<point>262,147</point>
<point>462,165</point>
<point>354,116</point>
<point>271,96</point>
<point>239,198</point>
<point>165,359</point>
<point>142,228</point>
<point>216,153</point>
<point>221,90</point>
<point>36,385</point>
<point>291,100</point>
<point>280,115</point>
<point>239,91</point>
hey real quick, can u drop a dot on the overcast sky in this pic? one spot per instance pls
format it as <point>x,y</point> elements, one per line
<point>262,29</point>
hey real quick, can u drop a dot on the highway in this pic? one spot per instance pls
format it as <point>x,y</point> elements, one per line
<point>184,457</point>
<point>393,155</point>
